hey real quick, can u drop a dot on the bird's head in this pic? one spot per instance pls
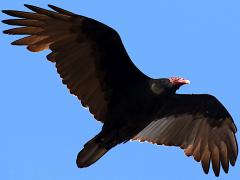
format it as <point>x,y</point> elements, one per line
<point>176,82</point>
<point>168,85</point>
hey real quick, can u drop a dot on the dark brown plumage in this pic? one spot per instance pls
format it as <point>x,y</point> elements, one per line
<point>95,66</point>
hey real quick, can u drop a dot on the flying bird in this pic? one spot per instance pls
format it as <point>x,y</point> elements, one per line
<point>94,65</point>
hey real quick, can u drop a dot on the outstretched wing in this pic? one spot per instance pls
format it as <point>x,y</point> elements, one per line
<point>89,55</point>
<point>200,125</point>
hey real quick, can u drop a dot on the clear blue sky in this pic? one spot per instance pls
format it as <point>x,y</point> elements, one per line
<point>43,127</point>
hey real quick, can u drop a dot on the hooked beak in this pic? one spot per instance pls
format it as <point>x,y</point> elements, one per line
<point>184,81</point>
<point>179,81</point>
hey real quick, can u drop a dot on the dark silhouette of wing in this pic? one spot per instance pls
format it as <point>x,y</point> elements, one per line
<point>200,125</point>
<point>89,55</point>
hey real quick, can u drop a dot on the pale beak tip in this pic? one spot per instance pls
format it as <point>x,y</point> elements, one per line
<point>187,82</point>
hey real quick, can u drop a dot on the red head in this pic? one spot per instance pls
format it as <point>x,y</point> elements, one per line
<point>178,81</point>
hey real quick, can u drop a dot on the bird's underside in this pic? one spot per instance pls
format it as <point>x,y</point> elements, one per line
<point>94,65</point>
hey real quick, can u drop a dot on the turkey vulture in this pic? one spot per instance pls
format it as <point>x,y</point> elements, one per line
<point>94,65</point>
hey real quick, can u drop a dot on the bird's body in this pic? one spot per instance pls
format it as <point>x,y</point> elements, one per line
<point>93,63</point>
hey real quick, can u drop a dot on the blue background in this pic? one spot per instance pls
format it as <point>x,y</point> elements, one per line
<point>43,127</point>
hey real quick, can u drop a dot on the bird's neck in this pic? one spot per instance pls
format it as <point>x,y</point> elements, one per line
<point>160,89</point>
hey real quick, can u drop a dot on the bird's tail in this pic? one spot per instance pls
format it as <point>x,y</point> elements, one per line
<point>92,151</point>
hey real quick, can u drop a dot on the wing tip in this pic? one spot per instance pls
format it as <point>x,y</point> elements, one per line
<point>13,43</point>
<point>6,12</point>
<point>5,21</point>
<point>60,10</point>
<point>29,6</point>
<point>226,170</point>
<point>52,6</point>
<point>205,170</point>
<point>35,8</point>
<point>6,31</point>
<point>26,5</point>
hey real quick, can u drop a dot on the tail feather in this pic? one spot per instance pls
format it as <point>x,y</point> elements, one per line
<point>91,152</point>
